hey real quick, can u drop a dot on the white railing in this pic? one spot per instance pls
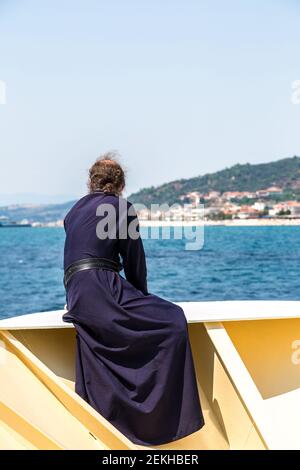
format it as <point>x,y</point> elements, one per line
<point>219,311</point>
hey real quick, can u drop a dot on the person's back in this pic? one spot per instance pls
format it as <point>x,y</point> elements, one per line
<point>133,359</point>
<point>81,222</point>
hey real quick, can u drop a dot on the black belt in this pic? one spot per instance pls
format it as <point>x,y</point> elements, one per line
<point>90,263</point>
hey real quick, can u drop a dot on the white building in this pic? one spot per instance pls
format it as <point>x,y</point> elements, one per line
<point>259,206</point>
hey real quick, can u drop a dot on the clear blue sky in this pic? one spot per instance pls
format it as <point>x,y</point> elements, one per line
<point>179,88</point>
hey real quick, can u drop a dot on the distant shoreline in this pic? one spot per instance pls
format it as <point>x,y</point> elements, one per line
<point>185,223</point>
<point>222,223</point>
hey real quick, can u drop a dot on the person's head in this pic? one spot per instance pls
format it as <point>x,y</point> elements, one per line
<point>106,175</point>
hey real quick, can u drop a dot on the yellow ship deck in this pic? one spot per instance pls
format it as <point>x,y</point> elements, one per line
<point>248,372</point>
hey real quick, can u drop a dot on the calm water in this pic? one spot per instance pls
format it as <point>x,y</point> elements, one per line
<point>235,263</point>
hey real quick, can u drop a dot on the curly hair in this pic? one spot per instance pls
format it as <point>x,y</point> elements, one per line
<point>106,175</point>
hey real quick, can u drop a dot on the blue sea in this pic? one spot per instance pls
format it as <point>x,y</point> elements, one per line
<point>235,263</point>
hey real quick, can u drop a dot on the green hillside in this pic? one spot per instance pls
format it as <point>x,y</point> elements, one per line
<point>284,173</point>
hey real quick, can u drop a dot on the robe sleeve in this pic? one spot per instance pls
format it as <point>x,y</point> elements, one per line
<point>132,251</point>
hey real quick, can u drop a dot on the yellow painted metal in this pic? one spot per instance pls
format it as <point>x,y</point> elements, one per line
<point>270,354</point>
<point>22,432</point>
<point>267,348</point>
<point>244,369</point>
<point>223,399</point>
<point>55,348</point>
<point>28,407</point>
<point>97,430</point>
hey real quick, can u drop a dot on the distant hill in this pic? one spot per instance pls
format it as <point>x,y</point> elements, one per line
<point>284,173</point>
<point>36,213</point>
<point>8,199</point>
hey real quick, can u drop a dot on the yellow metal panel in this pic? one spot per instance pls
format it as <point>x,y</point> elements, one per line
<point>11,440</point>
<point>266,348</point>
<point>18,433</point>
<point>254,441</point>
<point>105,435</point>
<point>31,402</point>
<point>235,419</point>
<point>55,349</point>
<point>224,401</point>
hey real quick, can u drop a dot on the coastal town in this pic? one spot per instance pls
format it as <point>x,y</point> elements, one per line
<point>265,204</point>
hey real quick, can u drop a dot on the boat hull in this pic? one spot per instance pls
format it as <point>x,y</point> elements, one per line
<point>248,377</point>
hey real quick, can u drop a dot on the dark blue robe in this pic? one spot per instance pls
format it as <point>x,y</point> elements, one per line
<point>133,362</point>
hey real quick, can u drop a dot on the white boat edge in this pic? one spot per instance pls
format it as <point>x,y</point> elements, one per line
<point>195,312</point>
<point>245,374</point>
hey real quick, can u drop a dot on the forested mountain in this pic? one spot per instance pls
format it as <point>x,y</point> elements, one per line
<point>283,173</point>
<point>247,177</point>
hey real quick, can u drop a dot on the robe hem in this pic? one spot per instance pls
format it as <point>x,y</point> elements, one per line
<point>166,440</point>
